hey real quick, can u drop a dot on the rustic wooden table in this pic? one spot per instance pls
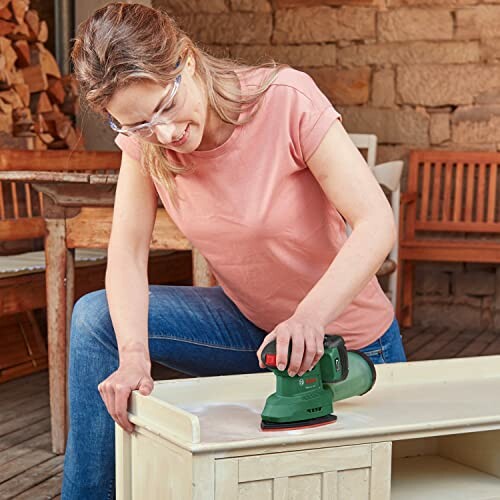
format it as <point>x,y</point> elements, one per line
<point>78,213</point>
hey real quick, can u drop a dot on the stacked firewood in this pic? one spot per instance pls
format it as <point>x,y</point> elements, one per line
<point>37,104</point>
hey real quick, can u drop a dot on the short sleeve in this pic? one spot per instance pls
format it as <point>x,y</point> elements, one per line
<point>314,126</point>
<point>129,145</point>
<point>312,113</point>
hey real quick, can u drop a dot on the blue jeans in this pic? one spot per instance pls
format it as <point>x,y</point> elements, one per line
<point>194,330</point>
<point>388,348</point>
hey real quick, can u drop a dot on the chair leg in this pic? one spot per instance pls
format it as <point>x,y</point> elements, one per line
<point>398,292</point>
<point>393,287</point>
<point>407,295</point>
<point>39,343</point>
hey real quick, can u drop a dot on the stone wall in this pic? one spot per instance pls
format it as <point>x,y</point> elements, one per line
<point>418,73</point>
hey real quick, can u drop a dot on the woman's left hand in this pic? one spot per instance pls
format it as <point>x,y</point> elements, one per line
<point>307,345</point>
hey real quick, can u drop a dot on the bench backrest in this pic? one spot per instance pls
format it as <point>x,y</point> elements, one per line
<point>20,205</point>
<point>453,191</point>
<point>20,212</point>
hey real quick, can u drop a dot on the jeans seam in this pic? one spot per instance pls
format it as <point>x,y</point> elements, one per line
<point>168,337</point>
<point>111,490</point>
<point>376,352</point>
<point>203,344</point>
<point>383,353</point>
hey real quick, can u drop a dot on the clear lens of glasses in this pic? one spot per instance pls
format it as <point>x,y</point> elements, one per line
<point>164,116</point>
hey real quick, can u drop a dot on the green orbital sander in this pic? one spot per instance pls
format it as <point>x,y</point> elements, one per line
<point>307,401</point>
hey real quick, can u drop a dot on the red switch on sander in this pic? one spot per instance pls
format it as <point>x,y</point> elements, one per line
<point>271,360</point>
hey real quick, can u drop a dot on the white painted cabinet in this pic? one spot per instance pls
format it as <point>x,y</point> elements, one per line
<point>428,430</point>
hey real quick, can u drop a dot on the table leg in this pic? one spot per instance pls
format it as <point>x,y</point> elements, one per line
<point>70,300</point>
<point>202,276</point>
<point>56,280</point>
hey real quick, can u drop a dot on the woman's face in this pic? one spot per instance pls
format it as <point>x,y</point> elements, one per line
<point>185,118</point>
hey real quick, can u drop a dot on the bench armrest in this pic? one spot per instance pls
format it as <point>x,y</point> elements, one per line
<point>407,198</point>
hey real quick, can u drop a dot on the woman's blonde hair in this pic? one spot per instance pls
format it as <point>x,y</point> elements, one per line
<point>122,43</point>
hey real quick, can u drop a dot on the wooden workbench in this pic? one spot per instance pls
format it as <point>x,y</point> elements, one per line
<point>428,430</point>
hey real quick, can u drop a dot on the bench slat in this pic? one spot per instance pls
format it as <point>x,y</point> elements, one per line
<point>447,192</point>
<point>469,192</point>
<point>451,251</point>
<point>436,192</point>
<point>481,193</point>
<point>459,186</point>
<point>424,207</point>
<point>492,193</point>
<point>13,192</point>
<point>29,206</point>
<point>446,243</point>
<point>459,227</point>
<point>2,203</point>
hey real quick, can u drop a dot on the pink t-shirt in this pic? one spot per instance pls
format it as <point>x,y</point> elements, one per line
<point>260,218</point>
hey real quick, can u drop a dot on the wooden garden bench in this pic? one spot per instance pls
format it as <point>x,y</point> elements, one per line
<point>450,213</point>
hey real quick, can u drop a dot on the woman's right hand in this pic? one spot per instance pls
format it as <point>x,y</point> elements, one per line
<point>133,373</point>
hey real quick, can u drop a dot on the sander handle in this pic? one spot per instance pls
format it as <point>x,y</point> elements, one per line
<point>268,355</point>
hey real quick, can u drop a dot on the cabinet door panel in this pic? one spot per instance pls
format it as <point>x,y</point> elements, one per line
<point>263,490</point>
<point>345,472</point>
<point>300,487</point>
<point>353,483</point>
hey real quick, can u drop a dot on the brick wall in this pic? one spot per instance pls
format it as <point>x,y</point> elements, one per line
<point>418,73</point>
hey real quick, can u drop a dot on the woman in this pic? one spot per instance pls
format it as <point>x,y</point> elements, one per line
<point>255,168</point>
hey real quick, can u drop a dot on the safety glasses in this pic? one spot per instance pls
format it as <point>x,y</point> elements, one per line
<point>165,115</point>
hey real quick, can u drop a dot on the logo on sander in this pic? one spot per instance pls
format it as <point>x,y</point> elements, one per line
<point>308,382</point>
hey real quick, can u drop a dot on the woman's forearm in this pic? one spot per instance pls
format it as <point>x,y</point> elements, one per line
<point>356,263</point>
<point>128,299</point>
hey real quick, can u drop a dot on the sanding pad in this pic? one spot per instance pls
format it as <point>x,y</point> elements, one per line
<point>303,424</point>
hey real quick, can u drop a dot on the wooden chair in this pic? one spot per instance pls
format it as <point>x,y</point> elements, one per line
<point>22,276</point>
<point>388,175</point>
<point>449,208</point>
